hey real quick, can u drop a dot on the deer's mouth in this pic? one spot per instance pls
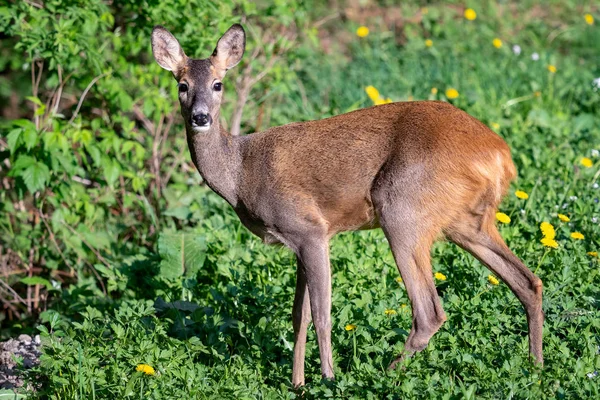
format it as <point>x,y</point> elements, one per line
<point>200,128</point>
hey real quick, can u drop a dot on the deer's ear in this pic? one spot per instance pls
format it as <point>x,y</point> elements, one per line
<point>230,49</point>
<point>167,51</point>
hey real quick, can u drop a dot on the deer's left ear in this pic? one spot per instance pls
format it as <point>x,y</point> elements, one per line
<point>230,49</point>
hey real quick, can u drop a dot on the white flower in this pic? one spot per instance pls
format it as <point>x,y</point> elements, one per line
<point>595,185</point>
<point>572,198</point>
<point>595,153</point>
<point>592,375</point>
<point>516,49</point>
<point>596,84</point>
<point>522,211</point>
<point>594,220</point>
<point>535,56</point>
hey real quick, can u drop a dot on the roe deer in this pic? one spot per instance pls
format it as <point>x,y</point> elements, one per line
<point>418,170</point>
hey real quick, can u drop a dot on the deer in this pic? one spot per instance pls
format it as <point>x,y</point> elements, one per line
<point>420,171</point>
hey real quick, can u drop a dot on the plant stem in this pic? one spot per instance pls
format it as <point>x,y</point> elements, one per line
<point>541,261</point>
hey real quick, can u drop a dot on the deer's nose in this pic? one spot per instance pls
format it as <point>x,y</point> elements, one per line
<point>201,119</point>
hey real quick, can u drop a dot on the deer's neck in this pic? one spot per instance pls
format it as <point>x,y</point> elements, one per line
<point>217,156</point>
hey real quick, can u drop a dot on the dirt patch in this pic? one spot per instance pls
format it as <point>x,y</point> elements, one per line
<point>24,347</point>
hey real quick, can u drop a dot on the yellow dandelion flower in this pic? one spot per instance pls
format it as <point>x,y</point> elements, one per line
<point>521,194</point>
<point>145,368</point>
<point>470,14</point>
<point>537,93</point>
<point>497,43</point>
<point>372,93</point>
<point>429,43</point>
<point>399,279</point>
<point>439,276</point>
<point>495,125</point>
<point>552,68</point>
<point>424,11</point>
<point>563,218</point>
<point>388,100</point>
<point>505,219</point>
<point>589,19</point>
<point>549,243</point>
<point>493,280</point>
<point>451,93</point>
<point>592,253</point>
<point>390,312</point>
<point>586,162</point>
<point>362,31</point>
<point>350,327</point>
<point>577,236</point>
<point>547,230</point>
<point>434,90</point>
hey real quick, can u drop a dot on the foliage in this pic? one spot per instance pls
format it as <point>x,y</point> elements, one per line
<point>139,263</point>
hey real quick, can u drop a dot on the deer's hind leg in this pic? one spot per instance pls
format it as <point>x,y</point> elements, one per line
<point>410,235</point>
<point>477,233</point>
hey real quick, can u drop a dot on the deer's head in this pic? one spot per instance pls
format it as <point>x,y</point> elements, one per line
<point>199,80</point>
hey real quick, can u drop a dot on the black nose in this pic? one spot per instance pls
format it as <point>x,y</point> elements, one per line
<point>201,119</point>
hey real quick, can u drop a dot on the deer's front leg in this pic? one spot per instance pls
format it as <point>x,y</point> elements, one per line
<point>314,257</point>
<point>301,319</point>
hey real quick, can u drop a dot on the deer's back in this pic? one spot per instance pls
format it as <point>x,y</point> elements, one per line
<point>326,170</point>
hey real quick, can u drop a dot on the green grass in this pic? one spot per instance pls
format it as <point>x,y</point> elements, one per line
<point>226,331</point>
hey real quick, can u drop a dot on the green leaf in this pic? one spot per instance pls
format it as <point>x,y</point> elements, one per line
<point>182,254</point>
<point>30,137</point>
<point>36,176</point>
<point>7,394</point>
<point>12,139</point>
<point>112,170</point>
<point>37,280</point>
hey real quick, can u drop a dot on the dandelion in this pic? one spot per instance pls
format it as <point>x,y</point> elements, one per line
<point>516,49</point>
<point>549,243</point>
<point>389,312</point>
<point>563,218</point>
<point>399,279</point>
<point>145,368</point>
<point>372,93</point>
<point>552,68</point>
<point>497,43</point>
<point>537,93</point>
<point>589,19</point>
<point>424,11</point>
<point>439,276</point>
<point>505,219</point>
<point>495,125</point>
<point>429,43</point>
<point>493,280</point>
<point>547,230</point>
<point>586,162</point>
<point>535,56</point>
<point>521,195</point>
<point>350,327</point>
<point>362,31</point>
<point>577,236</point>
<point>434,90</point>
<point>451,93</point>
<point>470,14</point>
<point>592,253</point>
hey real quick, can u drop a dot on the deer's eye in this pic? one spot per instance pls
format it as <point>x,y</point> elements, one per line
<point>218,86</point>
<point>183,87</point>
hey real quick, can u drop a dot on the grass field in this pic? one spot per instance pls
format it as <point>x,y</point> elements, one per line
<point>223,328</point>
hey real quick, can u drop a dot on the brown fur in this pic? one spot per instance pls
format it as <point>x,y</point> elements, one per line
<point>419,170</point>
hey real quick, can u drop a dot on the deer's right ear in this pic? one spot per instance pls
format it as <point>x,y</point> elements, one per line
<point>167,51</point>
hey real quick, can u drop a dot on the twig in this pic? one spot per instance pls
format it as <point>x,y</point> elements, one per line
<point>85,92</point>
<point>11,291</point>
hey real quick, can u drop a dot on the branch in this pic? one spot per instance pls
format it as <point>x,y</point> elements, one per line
<point>85,92</point>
